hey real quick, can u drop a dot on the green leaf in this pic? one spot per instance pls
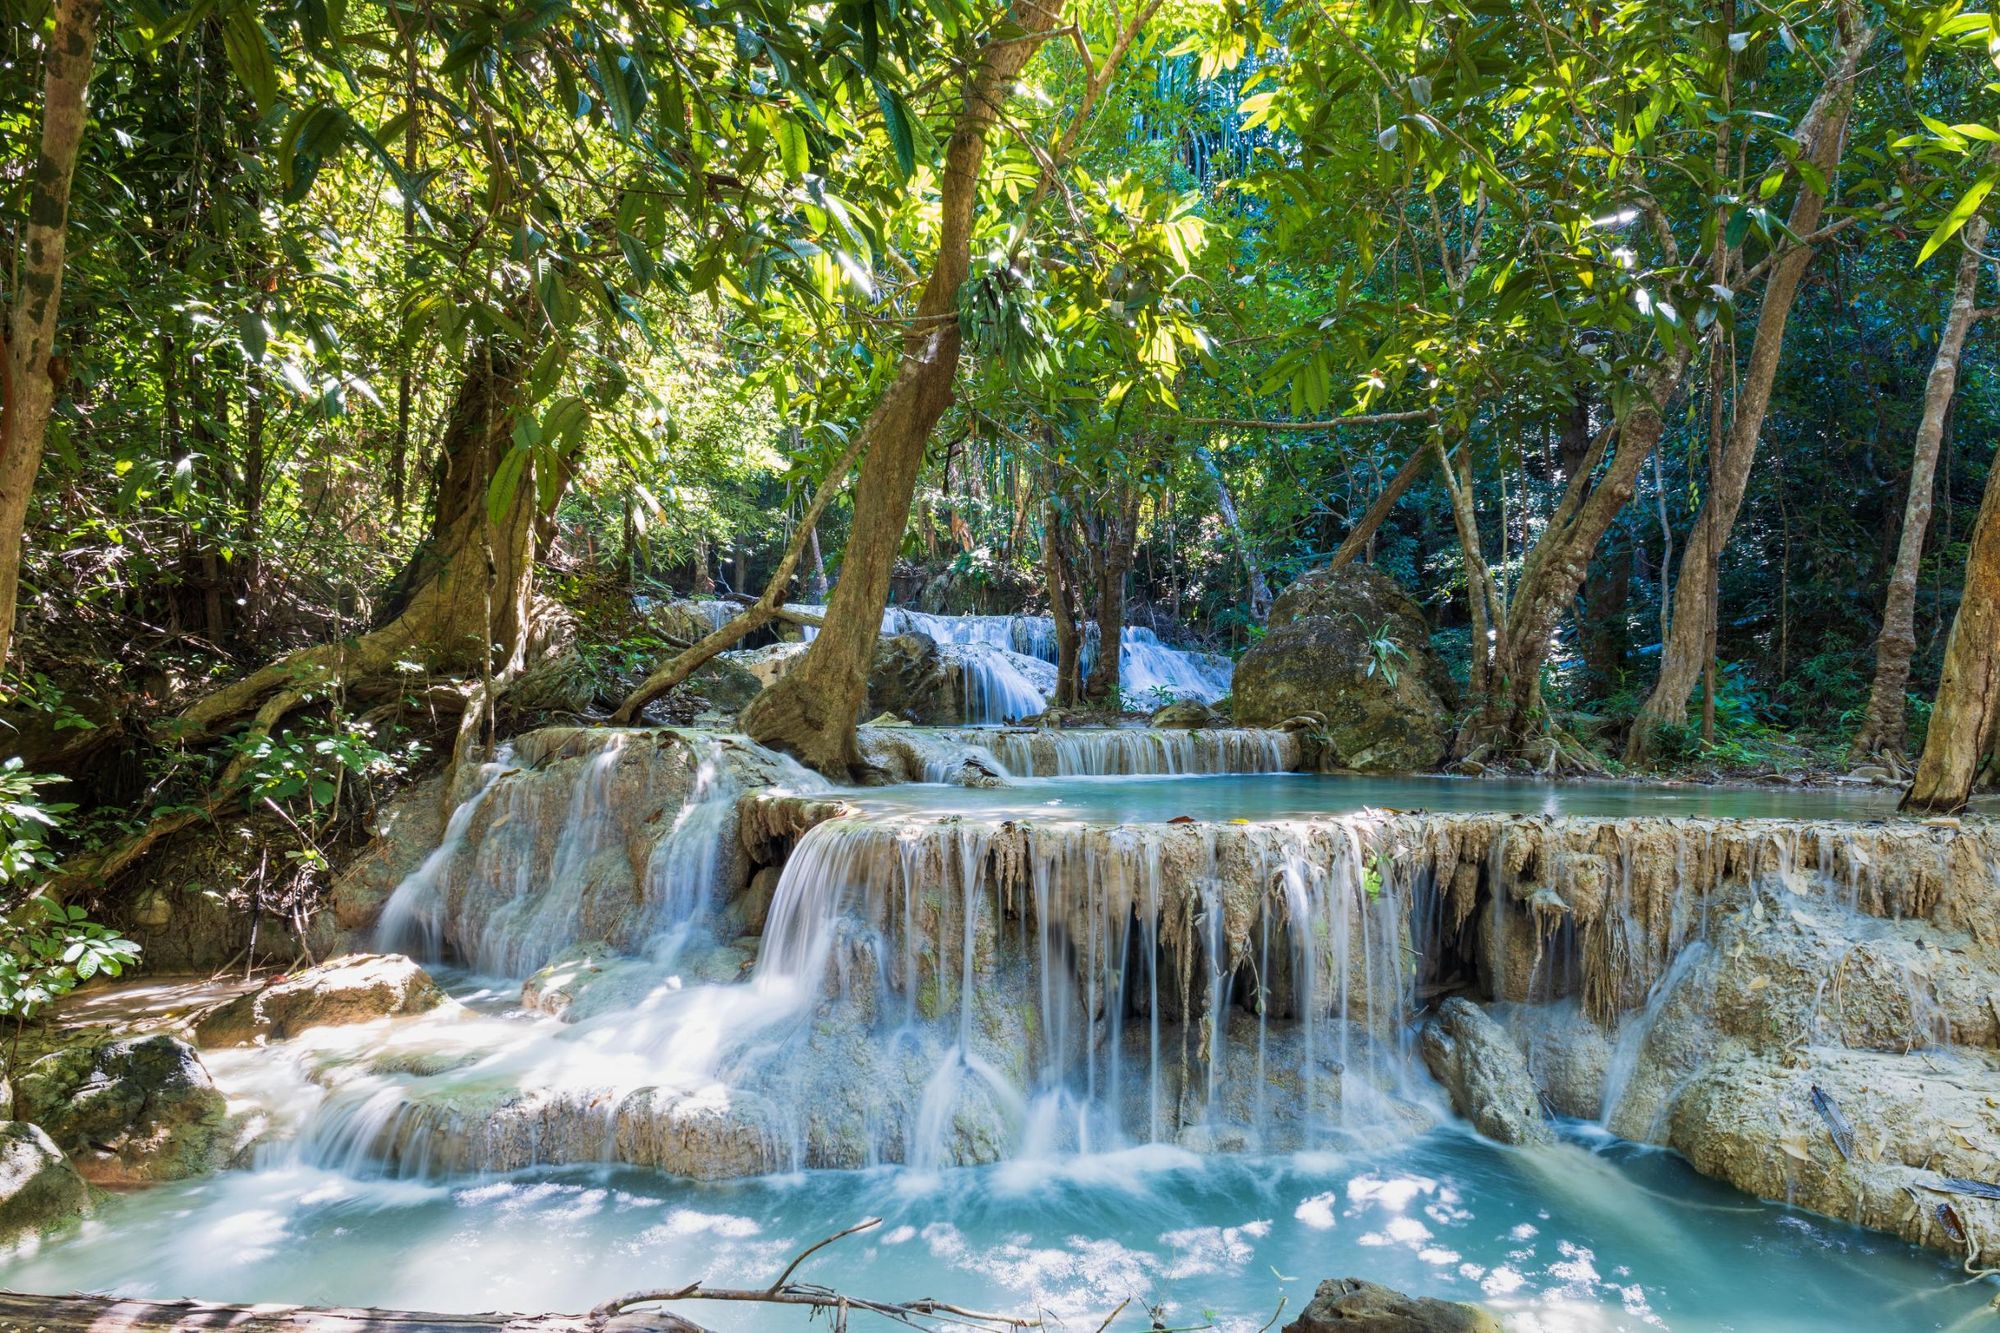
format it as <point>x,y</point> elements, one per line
<point>1960,214</point>
<point>897,119</point>
<point>249,51</point>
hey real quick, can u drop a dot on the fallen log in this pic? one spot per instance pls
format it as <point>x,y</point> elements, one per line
<point>24,1313</point>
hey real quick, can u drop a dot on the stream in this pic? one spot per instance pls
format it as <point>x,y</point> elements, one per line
<point>905,1011</point>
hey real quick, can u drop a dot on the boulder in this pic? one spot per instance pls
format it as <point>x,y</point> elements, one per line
<point>1348,1304</point>
<point>129,1112</point>
<point>1186,715</point>
<point>1485,1073</point>
<point>727,686</point>
<point>1352,647</point>
<point>39,1189</point>
<point>911,679</point>
<point>355,989</point>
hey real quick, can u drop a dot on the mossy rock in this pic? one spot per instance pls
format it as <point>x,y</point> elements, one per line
<point>1352,647</point>
<point>130,1111</point>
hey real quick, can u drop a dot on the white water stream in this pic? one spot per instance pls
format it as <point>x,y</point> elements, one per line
<point>1091,1061</point>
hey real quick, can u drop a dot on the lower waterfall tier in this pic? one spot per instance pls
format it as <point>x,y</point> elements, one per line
<point>729,969</point>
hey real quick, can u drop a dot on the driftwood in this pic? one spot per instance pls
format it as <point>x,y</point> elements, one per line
<point>117,1314</point>
<point>21,1313</point>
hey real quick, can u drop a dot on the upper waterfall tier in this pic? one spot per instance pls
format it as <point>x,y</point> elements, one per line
<point>1001,660</point>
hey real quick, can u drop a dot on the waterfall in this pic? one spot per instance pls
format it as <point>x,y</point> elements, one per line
<point>1132,751</point>
<point>1001,661</point>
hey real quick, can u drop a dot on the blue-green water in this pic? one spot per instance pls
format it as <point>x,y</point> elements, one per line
<point>1591,1234</point>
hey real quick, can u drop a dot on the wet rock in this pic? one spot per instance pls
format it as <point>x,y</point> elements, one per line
<point>356,989</point>
<point>769,663</point>
<point>1569,1057</point>
<point>911,679</point>
<point>753,906</point>
<point>1184,714</point>
<point>1352,1305</point>
<point>39,1189</point>
<point>1351,646</point>
<point>554,988</point>
<point>402,833</point>
<point>901,753</point>
<point>129,1111</point>
<point>727,686</point>
<point>1485,1073</point>
<point>1919,1121</point>
<point>713,1134</point>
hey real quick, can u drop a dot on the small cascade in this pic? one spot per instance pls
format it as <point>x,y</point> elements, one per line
<point>1135,751</point>
<point>997,685</point>
<point>539,856</point>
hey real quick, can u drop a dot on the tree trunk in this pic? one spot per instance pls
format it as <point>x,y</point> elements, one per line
<point>1687,645</point>
<point>1260,591</point>
<point>1112,558</point>
<point>1884,730</point>
<point>462,604</point>
<point>1966,717</point>
<point>27,392</point>
<point>811,710</point>
<point>1060,574</point>
<point>102,1314</point>
<point>1364,528</point>
<point>1509,720</point>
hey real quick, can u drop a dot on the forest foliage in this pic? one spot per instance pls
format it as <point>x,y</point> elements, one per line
<point>595,298</point>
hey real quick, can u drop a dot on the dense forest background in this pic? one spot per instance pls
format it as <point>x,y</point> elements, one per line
<point>405,353</point>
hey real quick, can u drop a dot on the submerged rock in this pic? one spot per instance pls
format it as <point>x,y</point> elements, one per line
<point>1352,1305</point>
<point>130,1111</point>
<point>39,1189</point>
<point>356,989</point>
<point>1485,1073</point>
<point>1352,647</point>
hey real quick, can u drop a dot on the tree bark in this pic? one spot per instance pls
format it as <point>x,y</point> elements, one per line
<point>29,395</point>
<point>1364,529</point>
<point>1884,729</point>
<point>1695,595</point>
<point>1966,717</point>
<point>463,603</point>
<point>1509,721</point>
<point>1112,561</point>
<point>1060,574</point>
<point>811,711</point>
<point>1253,567</point>
<point>769,607</point>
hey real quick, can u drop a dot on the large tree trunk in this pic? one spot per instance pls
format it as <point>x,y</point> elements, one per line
<point>1508,721</point>
<point>1884,731</point>
<point>463,603</point>
<point>1966,718</point>
<point>1059,572</point>
<point>1688,644</point>
<point>1111,559</point>
<point>27,386</point>
<point>812,710</point>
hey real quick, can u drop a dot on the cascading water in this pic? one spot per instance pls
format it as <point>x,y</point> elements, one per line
<point>1084,1006</point>
<point>1003,662</point>
<point>1131,752</point>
